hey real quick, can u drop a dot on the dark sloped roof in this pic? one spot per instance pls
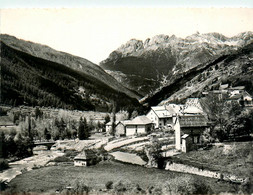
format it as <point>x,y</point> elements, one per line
<point>6,121</point>
<point>193,121</point>
<point>85,155</point>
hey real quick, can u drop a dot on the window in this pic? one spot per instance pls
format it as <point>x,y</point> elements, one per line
<point>195,139</point>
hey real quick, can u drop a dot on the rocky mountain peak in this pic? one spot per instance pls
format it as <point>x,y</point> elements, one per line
<point>131,47</point>
<point>164,55</point>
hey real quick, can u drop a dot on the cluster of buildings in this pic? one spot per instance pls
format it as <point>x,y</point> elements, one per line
<point>233,94</point>
<point>187,122</point>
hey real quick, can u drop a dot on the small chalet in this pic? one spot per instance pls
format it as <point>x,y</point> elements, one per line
<point>85,158</point>
<point>188,130</point>
<point>137,126</point>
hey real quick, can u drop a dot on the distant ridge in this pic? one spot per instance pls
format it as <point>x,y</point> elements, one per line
<point>31,80</point>
<point>71,61</point>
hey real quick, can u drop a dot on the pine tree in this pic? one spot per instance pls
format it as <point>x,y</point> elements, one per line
<point>83,130</point>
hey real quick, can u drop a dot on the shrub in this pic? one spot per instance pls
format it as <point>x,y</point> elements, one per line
<point>109,185</point>
<point>186,185</point>
<point>154,190</point>
<point>61,159</point>
<point>80,188</point>
<point>122,186</point>
<point>3,164</point>
<point>119,187</point>
<point>137,190</point>
<point>3,186</point>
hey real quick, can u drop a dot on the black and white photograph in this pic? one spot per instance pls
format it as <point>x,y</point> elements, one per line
<point>123,98</point>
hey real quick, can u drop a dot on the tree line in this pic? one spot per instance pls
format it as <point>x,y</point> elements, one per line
<point>230,120</point>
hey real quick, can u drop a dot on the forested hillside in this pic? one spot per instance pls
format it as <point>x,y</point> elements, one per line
<point>34,81</point>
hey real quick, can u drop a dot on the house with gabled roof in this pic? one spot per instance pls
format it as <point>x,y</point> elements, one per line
<point>85,158</point>
<point>139,125</point>
<point>162,116</point>
<point>193,125</point>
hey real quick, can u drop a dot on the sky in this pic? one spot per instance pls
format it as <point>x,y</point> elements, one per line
<point>93,31</point>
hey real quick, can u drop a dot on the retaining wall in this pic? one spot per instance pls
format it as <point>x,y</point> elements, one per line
<point>172,166</point>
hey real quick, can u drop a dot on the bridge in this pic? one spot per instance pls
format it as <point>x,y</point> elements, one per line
<point>48,144</point>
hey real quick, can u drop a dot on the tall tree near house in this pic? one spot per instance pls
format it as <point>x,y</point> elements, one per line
<point>228,117</point>
<point>154,153</point>
<point>47,134</point>
<point>217,113</point>
<point>134,114</point>
<point>83,129</point>
<point>3,151</point>
<point>38,113</point>
<point>113,118</point>
<point>107,118</point>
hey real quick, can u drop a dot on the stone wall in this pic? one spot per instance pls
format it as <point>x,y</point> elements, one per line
<point>203,172</point>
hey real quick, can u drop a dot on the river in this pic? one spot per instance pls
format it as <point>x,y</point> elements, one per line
<point>40,158</point>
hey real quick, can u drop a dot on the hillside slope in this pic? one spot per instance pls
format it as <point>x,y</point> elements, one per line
<point>234,69</point>
<point>143,65</point>
<point>71,61</point>
<point>33,81</point>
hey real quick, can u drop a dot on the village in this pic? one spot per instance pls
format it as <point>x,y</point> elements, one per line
<point>183,123</point>
<point>154,140</point>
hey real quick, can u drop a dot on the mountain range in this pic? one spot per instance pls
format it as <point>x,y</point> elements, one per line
<point>149,65</point>
<point>160,70</point>
<point>234,69</point>
<point>37,75</point>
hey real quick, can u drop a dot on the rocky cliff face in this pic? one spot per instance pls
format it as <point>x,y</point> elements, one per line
<point>144,65</point>
<point>235,69</point>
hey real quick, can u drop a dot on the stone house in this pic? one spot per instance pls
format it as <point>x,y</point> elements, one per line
<point>85,158</point>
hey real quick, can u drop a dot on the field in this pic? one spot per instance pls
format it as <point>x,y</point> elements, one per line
<point>50,179</point>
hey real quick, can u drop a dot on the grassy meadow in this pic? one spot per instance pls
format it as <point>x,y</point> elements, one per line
<point>50,179</point>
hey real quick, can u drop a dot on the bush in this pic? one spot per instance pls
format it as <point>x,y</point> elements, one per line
<point>71,153</point>
<point>154,190</point>
<point>137,190</point>
<point>61,159</point>
<point>119,187</point>
<point>186,185</point>
<point>109,185</point>
<point>3,186</point>
<point>122,187</point>
<point>80,188</point>
<point>3,164</point>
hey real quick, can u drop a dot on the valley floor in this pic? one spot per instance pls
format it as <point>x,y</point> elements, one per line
<point>50,179</point>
